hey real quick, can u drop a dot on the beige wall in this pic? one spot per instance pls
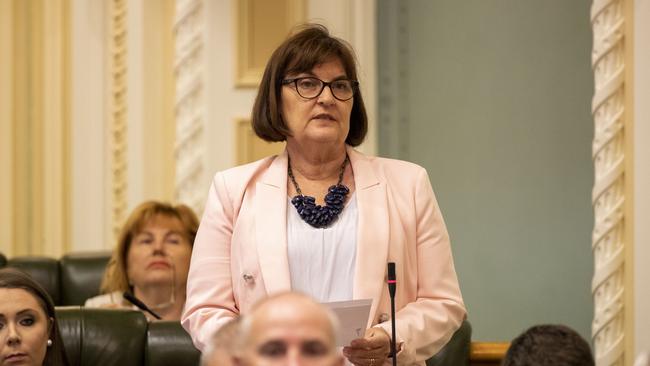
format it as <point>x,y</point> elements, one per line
<point>34,126</point>
<point>102,136</point>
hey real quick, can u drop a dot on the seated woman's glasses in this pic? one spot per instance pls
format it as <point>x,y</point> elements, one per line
<point>311,87</point>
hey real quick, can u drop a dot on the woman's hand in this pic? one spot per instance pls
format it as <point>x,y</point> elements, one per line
<point>371,350</point>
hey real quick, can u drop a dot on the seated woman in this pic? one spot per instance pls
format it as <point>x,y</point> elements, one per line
<point>151,261</point>
<point>28,328</point>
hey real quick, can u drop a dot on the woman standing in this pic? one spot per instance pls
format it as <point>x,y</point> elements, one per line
<point>322,218</point>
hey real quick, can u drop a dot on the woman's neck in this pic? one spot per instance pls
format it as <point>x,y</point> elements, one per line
<point>316,163</point>
<point>153,296</point>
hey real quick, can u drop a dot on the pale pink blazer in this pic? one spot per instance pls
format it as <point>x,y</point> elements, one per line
<point>240,252</point>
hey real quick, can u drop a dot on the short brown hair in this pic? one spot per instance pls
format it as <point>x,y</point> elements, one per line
<point>309,46</point>
<point>11,278</point>
<point>549,345</point>
<point>115,277</point>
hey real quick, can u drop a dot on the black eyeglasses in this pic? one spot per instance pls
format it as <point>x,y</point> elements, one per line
<point>311,87</point>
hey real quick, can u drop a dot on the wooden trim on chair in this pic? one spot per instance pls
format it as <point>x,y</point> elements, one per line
<point>487,353</point>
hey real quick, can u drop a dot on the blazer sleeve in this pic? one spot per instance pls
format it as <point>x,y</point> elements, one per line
<point>425,325</point>
<point>210,301</point>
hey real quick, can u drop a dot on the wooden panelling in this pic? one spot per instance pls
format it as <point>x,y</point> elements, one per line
<point>487,353</point>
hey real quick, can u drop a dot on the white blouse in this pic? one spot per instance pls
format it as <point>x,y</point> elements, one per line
<point>322,261</point>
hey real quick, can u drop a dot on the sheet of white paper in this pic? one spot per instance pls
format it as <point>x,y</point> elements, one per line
<point>353,319</point>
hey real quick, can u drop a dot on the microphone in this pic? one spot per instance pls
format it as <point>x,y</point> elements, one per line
<point>392,284</point>
<point>139,304</point>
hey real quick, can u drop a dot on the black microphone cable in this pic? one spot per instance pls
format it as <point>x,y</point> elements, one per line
<point>139,304</point>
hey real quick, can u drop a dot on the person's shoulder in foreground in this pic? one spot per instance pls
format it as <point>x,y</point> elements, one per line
<point>549,345</point>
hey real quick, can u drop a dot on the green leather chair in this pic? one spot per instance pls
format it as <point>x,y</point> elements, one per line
<point>3,260</point>
<point>105,337</point>
<point>43,270</point>
<point>70,280</point>
<point>80,275</point>
<point>116,337</point>
<point>456,351</point>
<point>169,345</point>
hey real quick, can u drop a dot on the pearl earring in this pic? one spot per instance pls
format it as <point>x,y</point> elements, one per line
<point>49,343</point>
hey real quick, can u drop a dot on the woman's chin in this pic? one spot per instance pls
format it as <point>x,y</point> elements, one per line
<point>157,280</point>
<point>324,138</point>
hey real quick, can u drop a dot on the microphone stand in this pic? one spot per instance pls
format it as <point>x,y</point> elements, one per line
<point>392,284</point>
<point>139,304</point>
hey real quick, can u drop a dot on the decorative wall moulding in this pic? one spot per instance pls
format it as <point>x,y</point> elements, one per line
<point>189,103</point>
<point>249,147</point>
<point>608,196</point>
<point>261,26</point>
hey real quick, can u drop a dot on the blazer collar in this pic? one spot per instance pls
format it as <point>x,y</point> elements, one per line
<point>271,225</point>
<point>372,231</point>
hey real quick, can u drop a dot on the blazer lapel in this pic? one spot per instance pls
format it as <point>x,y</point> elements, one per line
<point>373,233</point>
<point>271,226</point>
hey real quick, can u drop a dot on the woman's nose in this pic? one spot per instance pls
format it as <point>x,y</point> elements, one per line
<point>326,96</point>
<point>159,246</point>
<point>13,337</point>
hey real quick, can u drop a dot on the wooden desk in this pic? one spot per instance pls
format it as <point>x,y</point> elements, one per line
<point>487,353</point>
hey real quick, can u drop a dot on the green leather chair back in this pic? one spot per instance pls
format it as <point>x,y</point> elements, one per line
<point>3,260</point>
<point>456,351</point>
<point>70,280</point>
<point>43,270</point>
<point>103,337</point>
<point>81,274</point>
<point>169,345</point>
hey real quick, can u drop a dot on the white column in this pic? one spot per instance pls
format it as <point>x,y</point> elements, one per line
<point>190,103</point>
<point>608,107</point>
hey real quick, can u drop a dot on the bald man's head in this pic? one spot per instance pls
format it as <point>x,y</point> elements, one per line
<point>289,329</point>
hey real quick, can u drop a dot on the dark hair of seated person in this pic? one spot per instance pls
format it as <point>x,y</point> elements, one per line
<point>549,345</point>
<point>11,278</point>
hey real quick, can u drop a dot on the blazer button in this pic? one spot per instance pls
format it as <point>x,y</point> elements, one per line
<point>383,317</point>
<point>248,278</point>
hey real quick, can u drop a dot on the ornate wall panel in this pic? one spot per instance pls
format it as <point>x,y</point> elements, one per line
<point>6,128</point>
<point>189,108</point>
<point>609,239</point>
<point>37,124</point>
<point>118,112</point>
<point>249,146</point>
<point>261,26</point>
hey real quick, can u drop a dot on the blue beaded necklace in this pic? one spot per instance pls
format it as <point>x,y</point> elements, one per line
<point>316,215</point>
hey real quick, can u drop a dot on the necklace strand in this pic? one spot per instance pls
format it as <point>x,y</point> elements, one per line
<point>316,215</point>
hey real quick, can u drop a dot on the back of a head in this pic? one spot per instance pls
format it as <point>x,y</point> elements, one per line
<point>549,345</point>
